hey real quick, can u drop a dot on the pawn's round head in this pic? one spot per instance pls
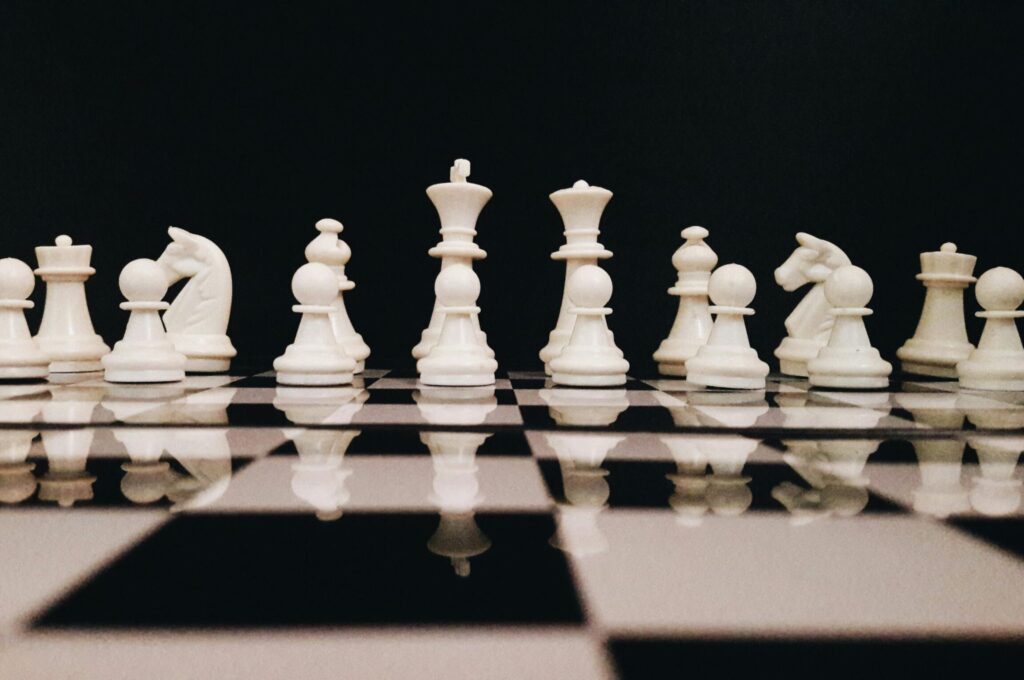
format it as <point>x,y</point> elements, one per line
<point>314,284</point>
<point>732,285</point>
<point>849,286</point>
<point>457,286</point>
<point>1000,289</point>
<point>590,286</point>
<point>16,279</point>
<point>143,280</point>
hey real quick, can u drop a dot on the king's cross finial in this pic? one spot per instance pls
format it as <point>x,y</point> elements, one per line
<point>459,170</point>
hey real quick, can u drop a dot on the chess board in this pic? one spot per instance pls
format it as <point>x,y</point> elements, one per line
<point>228,528</point>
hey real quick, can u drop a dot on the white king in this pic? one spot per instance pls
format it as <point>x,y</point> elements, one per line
<point>458,204</point>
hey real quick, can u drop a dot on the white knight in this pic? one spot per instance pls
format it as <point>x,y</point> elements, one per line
<point>810,324</point>
<point>197,320</point>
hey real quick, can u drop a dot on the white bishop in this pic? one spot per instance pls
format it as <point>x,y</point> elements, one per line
<point>329,249</point>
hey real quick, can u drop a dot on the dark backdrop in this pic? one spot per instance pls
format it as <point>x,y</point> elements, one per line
<point>886,127</point>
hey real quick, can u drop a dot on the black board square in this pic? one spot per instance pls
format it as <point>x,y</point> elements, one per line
<point>1007,533</point>
<point>269,571</point>
<point>860,657</point>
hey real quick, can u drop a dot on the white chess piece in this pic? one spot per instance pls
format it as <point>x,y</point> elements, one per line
<point>940,341</point>
<point>727,359</point>
<point>329,249</point>
<point>319,476</point>
<point>581,208</point>
<point>458,204</point>
<point>590,358</point>
<point>66,333</point>
<point>457,358</point>
<point>456,493</point>
<point>997,490</point>
<point>809,325</point>
<point>17,483</point>
<point>455,405</point>
<point>197,320</point>
<point>585,489</point>
<point>693,261</point>
<point>145,354</point>
<point>20,355</point>
<point>849,360</point>
<point>315,358</point>
<point>585,407</point>
<point>998,362</point>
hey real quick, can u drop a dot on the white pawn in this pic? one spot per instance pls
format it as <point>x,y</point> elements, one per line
<point>998,362</point>
<point>20,355</point>
<point>145,354</point>
<point>328,249</point>
<point>316,357</point>
<point>458,357</point>
<point>693,261</point>
<point>727,359</point>
<point>849,360</point>
<point>590,358</point>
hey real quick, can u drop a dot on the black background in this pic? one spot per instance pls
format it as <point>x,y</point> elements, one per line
<point>886,127</point>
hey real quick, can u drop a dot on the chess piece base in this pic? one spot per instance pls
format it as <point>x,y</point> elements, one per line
<point>728,382</point>
<point>672,356</point>
<point>128,375</point>
<point>921,357</point>
<point>204,353</point>
<point>82,366</point>
<point>930,370</point>
<point>20,372</point>
<point>582,380</point>
<point>313,378</point>
<point>672,369</point>
<point>457,379</point>
<point>794,353</point>
<point>998,371</point>
<point>73,354</point>
<point>852,368</point>
<point>731,369</point>
<point>206,365</point>
<point>849,381</point>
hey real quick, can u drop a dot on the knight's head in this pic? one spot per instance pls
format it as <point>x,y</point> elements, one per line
<point>181,258</point>
<point>811,262</point>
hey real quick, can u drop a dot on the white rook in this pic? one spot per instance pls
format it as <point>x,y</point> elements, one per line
<point>940,340</point>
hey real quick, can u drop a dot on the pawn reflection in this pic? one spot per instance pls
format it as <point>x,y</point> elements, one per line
<point>456,493</point>
<point>585,407</point>
<point>834,471</point>
<point>319,477</point>
<point>320,405</point>
<point>939,461</point>
<point>585,490</point>
<point>724,489</point>
<point>455,405</point>
<point>17,483</point>
<point>996,490</point>
<point>66,480</point>
<point>203,453</point>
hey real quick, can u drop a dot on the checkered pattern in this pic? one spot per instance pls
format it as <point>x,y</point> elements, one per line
<point>224,527</point>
